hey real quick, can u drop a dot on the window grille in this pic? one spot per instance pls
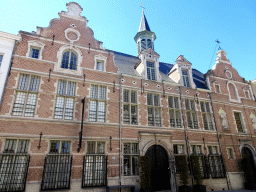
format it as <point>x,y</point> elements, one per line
<point>207,115</point>
<point>57,166</point>
<point>95,165</point>
<point>131,159</point>
<point>154,110</point>
<point>69,60</point>
<point>151,71</point>
<point>191,114</point>
<point>130,115</point>
<point>239,123</point>
<point>97,103</point>
<point>185,76</point>
<point>26,95</point>
<point>14,163</point>
<point>174,112</point>
<point>64,107</point>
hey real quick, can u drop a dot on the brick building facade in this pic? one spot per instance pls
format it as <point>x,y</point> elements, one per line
<point>133,105</point>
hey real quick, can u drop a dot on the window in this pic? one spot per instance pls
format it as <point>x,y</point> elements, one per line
<point>95,165</point>
<point>174,112</point>
<point>197,150</point>
<point>64,107</point>
<point>207,115</point>
<point>151,71</point>
<point>34,53</point>
<point>178,149</point>
<point>14,164</point>
<point>215,164</point>
<point>130,115</point>
<point>191,114</point>
<point>100,66</point>
<point>143,44</point>
<point>69,60</point>
<point>1,59</point>
<point>217,88</point>
<point>230,152</point>
<point>154,110</point>
<point>233,96</point>
<point>150,45</point>
<point>97,103</point>
<point>131,159</point>
<point>239,123</point>
<point>57,167</point>
<point>25,100</point>
<point>185,77</point>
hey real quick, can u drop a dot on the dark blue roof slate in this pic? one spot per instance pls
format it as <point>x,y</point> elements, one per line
<point>125,64</point>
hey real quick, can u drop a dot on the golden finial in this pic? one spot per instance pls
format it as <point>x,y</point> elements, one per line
<point>142,7</point>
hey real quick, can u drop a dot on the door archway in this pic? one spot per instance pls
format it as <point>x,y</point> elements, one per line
<point>248,153</point>
<point>160,173</point>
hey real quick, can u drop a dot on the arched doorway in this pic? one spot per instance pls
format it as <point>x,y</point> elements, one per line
<point>160,174</point>
<point>250,167</point>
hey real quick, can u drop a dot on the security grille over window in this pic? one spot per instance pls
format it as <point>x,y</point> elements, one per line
<point>185,77</point>
<point>239,123</point>
<point>64,107</point>
<point>216,168</point>
<point>69,60</point>
<point>131,159</point>
<point>130,115</point>
<point>191,114</point>
<point>154,110</point>
<point>57,166</point>
<point>95,165</point>
<point>14,164</point>
<point>97,103</point>
<point>25,101</point>
<point>207,115</point>
<point>151,75</point>
<point>174,111</point>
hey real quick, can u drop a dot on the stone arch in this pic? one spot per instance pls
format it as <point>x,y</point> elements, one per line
<point>233,93</point>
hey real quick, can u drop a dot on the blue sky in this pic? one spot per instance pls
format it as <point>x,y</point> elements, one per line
<point>185,27</point>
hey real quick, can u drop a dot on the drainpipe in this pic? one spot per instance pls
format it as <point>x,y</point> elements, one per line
<point>120,127</point>
<point>8,72</point>
<point>218,136</point>
<point>186,137</point>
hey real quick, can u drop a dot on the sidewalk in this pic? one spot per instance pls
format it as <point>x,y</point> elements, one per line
<point>243,190</point>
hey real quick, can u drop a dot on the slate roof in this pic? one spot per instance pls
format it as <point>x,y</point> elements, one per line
<point>144,24</point>
<point>125,64</point>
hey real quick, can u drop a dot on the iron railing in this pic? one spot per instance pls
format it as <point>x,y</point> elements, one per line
<point>13,172</point>
<point>57,172</point>
<point>94,171</point>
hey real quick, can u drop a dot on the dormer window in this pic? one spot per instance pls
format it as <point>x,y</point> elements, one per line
<point>100,66</point>
<point>69,60</point>
<point>185,77</point>
<point>151,71</point>
<point>34,53</point>
<point>35,49</point>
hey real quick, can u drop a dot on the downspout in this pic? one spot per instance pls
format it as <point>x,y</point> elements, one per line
<point>186,137</point>
<point>8,72</point>
<point>120,127</point>
<point>218,136</point>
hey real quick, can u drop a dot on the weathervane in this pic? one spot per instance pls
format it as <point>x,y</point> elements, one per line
<point>142,7</point>
<point>217,41</point>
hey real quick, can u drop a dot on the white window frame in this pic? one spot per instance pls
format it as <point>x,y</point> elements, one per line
<point>100,58</point>
<point>154,107</point>
<point>130,104</point>
<point>190,111</point>
<point>175,110</point>
<point>35,44</point>
<point>207,113</point>
<point>188,77</point>
<point>151,68</point>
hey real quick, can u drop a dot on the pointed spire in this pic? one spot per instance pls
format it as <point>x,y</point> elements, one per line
<point>144,23</point>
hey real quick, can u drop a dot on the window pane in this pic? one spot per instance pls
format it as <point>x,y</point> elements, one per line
<point>158,117</point>
<point>35,53</point>
<point>176,102</point>
<point>34,83</point>
<point>91,145</point>
<point>59,108</point>
<point>153,75</point>
<point>187,104</point>
<point>127,165</point>
<point>126,95</point>
<point>65,60</point>
<point>135,165</point>
<point>102,93</point>
<point>208,107</point>
<point>238,122</point>
<point>61,87</point>
<point>69,108</point>
<point>94,91</point>
<point>170,102</point>
<point>23,84</point>
<point>1,59</point>
<point>100,147</point>
<point>54,147</point>
<point>23,146</point>
<point>202,106</point>
<point>127,148</point>
<point>149,99</point>
<point>99,66</point>
<point>143,44</point>
<point>148,73</point>
<point>65,147</point>
<point>71,88</point>
<point>73,60</point>
<point>178,118</point>
<point>133,97</point>
<point>192,102</point>
<point>210,123</point>
<point>150,117</point>
<point>101,112</point>
<point>189,120</point>
<point>126,114</point>
<point>10,145</point>
<point>150,44</point>
<point>30,105</point>
<point>194,116</point>
<point>150,64</point>
<point>172,118</point>
<point>133,114</point>
<point>19,104</point>
<point>156,100</point>
<point>93,111</point>
<point>135,148</point>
